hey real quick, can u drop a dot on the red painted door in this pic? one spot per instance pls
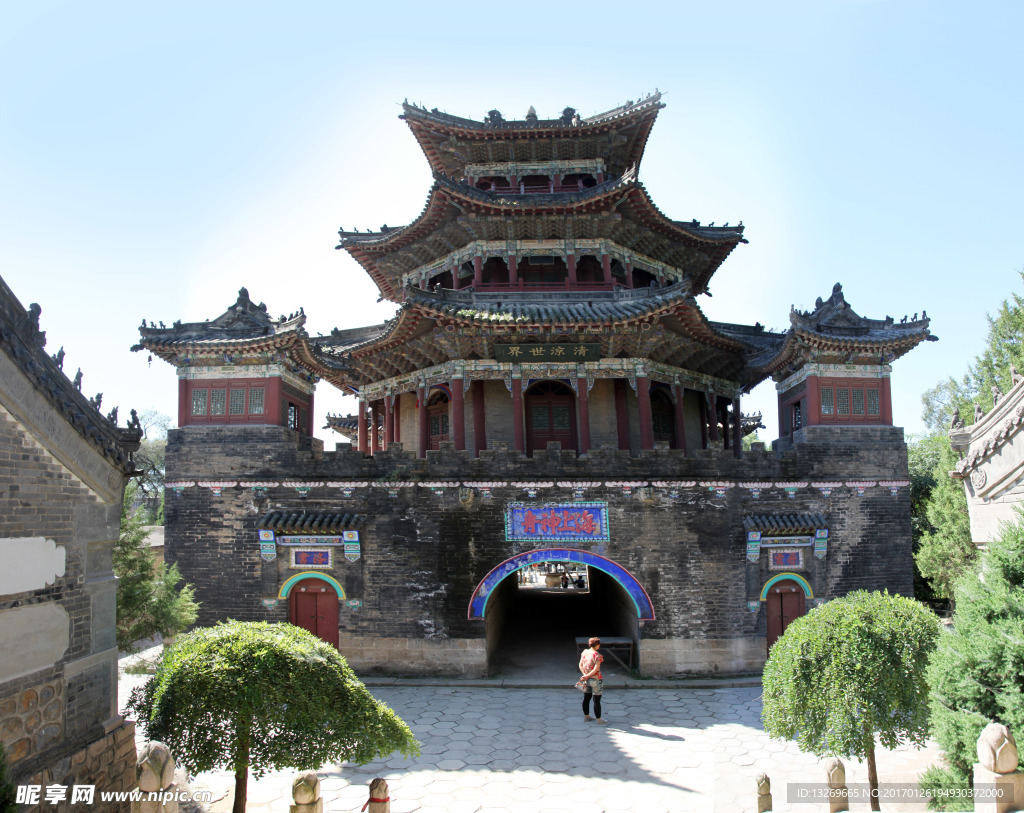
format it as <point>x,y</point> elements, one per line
<point>550,415</point>
<point>785,602</point>
<point>314,607</point>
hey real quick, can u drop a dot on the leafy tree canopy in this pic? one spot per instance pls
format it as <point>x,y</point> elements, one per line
<point>851,671</point>
<point>149,601</point>
<point>264,696</point>
<point>977,671</point>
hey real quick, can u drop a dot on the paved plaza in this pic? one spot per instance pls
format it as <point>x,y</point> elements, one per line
<point>528,750</point>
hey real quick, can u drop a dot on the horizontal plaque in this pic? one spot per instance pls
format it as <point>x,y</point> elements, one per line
<point>581,521</point>
<point>546,352</point>
<point>311,558</point>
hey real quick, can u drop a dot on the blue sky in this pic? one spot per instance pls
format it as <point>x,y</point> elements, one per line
<point>155,159</point>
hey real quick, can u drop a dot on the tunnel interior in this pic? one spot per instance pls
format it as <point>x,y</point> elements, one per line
<point>532,623</point>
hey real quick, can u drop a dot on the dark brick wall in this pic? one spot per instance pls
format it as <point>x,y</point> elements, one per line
<point>46,716</point>
<point>423,554</point>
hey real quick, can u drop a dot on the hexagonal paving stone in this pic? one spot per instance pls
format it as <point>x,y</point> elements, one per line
<point>451,764</point>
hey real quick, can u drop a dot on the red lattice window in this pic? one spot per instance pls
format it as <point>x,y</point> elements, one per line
<point>852,400</point>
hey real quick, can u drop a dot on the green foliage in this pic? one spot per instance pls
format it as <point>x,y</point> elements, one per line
<point>148,599</point>
<point>849,671</point>
<point>977,671</point>
<point>945,549</point>
<point>8,792</point>
<point>923,452</point>
<point>264,696</point>
<point>947,788</point>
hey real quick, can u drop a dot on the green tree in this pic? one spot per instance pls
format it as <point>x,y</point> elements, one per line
<point>8,792</point>
<point>849,671</point>
<point>148,598</point>
<point>150,459</point>
<point>946,550</point>
<point>977,670</point>
<point>264,696</point>
<point>923,452</point>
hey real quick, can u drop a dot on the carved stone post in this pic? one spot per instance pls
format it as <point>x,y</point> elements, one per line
<point>380,798</point>
<point>764,793</point>
<point>996,770</point>
<point>839,797</point>
<point>306,793</point>
<point>155,772</point>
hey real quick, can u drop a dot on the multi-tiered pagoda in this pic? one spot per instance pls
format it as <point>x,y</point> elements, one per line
<point>548,336</point>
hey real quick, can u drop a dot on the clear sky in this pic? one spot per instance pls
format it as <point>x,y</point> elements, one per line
<point>154,158</point>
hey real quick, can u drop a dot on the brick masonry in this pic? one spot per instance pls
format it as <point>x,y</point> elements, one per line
<point>62,476</point>
<point>423,553</point>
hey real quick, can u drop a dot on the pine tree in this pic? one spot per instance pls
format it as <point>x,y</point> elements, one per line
<point>945,551</point>
<point>148,599</point>
<point>977,672</point>
<point>8,793</point>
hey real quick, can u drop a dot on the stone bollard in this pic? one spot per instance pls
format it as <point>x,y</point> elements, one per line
<point>838,795</point>
<point>306,793</point>
<point>997,769</point>
<point>380,800</point>
<point>155,773</point>
<point>764,793</point>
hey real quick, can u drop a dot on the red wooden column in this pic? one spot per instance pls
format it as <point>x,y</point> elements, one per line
<point>396,405</point>
<point>455,276</point>
<point>517,414</point>
<point>702,404</point>
<point>606,266</point>
<point>621,414</point>
<point>885,401</point>
<point>680,419</point>
<point>629,275</point>
<point>712,416</point>
<point>361,427</point>
<point>458,413</point>
<point>812,416</point>
<point>478,270</point>
<point>374,434</point>
<point>570,262</point>
<point>643,394</point>
<point>737,428</point>
<point>479,427</point>
<point>584,404</point>
<point>424,428</point>
<point>389,420</point>
<point>185,404</point>
<point>513,271</point>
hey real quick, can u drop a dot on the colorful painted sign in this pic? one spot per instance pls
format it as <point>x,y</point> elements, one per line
<point>350,536</point>
<point>352,551</point>
<point>577,521</point>
<point>311,558</point>
<point>268,551</point>
<point>333,541</point>
<point>785,560</point>
<point>753,546</point>
<point>266,536</point>
<point>546,352</point>
<point>821,543</point>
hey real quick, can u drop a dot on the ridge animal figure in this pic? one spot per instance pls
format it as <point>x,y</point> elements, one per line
<point>380,799</point>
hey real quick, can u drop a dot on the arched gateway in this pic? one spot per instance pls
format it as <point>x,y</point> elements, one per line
<point>642,601</point>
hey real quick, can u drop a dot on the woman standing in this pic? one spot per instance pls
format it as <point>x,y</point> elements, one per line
<point>590,666</point>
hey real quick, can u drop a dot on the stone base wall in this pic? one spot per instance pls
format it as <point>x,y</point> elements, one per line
<point>668,657</point>
<point>108,764</point>
<point>462,657</point>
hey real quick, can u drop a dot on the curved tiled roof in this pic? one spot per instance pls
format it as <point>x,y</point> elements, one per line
<point>309,522</point>
<point>619,135</point>
<point>23,342</point>
<point>785,524</point>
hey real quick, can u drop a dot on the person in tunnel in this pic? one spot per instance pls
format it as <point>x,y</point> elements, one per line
<point>590,666</point>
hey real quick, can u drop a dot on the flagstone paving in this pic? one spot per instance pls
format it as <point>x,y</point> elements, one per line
<point>529,750</point>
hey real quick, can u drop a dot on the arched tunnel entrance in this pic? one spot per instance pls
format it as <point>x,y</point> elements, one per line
<point>533,621</point>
